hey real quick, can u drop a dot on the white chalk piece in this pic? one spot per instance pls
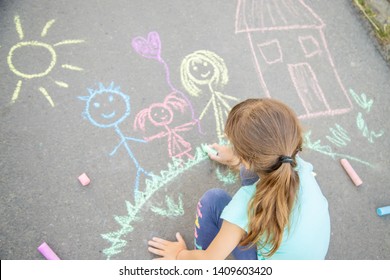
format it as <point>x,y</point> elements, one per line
<point>385,210</point>
<point>351,172</point>
<point>84,180</point>
<point>207,149</point>
<point>47,252</point>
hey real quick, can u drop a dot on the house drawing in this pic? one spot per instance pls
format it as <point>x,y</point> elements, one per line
<point>291,56</point>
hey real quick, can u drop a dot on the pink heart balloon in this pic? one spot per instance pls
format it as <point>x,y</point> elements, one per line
<point>150,47</point>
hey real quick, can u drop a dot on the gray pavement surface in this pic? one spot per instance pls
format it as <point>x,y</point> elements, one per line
<point>83,83</point>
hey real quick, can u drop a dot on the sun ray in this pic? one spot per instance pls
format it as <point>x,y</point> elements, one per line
<point>19,28</point>
<point>61,84</point>
<point>46,94</point>
<point>68,42</point>
<point>47,26</point>
<point>71,67</point>
<point>16,91</point>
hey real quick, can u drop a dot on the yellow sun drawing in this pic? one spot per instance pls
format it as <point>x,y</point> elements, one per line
<point>50,50</point>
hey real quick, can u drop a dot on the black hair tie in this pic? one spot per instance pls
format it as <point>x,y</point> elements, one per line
<point>286,159</point>
<point>281,160</point>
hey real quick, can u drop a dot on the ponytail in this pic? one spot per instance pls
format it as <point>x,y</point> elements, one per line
<point>269,209</point>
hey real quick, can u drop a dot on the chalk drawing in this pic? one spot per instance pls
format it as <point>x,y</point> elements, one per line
<point>271,51</point>
<point>296,33</point>
<point>126,222</point>
<point>161,115</point>
<point>50,49</point>
<point>204,71</point>
<point>366,105</point>
<point>339,136</point>
<point>310,46</point>
<point>108,108</point>
<point>370,135</point>
<point>327,150</point>
<point>362,101</point>
<point>173,209</point>
<point>150,48</point>
<point>228,179</point>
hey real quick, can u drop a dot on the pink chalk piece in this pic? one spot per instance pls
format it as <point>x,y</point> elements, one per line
<point>351,172</point>
<point>47,252</point>
<point>84,180</point>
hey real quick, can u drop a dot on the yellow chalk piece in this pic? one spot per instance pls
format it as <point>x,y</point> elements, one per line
<point>16,91</point>
<point>71,67</point>
<point>46,94</point>
<point>68,42</point>
<point>47,26</point>
<point>19,28</point>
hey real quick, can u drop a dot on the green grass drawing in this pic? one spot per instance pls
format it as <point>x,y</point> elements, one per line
<point>126,222</point>
<point>327,150</point>
<point>173,209</point>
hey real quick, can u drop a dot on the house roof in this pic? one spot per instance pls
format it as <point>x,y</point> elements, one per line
<point>267,15</point>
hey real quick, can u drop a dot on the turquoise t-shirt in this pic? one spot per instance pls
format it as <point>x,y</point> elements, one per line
<point>309,234</point>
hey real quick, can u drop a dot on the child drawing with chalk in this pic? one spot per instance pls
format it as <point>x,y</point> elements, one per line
<point>161,115</point>
<point>278,213</point>
<point>204,71</point>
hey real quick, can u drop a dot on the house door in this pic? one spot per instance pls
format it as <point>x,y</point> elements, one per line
<point>308,89</point>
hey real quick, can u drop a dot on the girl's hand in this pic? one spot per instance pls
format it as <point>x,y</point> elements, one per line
<point>225,155</point>
<point>166,249</point>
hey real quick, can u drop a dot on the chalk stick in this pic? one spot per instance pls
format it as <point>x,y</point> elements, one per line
<point>352,174</point>
<point>207,149</point>
<point>47,252</point>
<point>385,210</point>
<point>84,180</point>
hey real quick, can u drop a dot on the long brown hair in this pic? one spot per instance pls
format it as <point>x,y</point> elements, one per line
<point>262,132</point>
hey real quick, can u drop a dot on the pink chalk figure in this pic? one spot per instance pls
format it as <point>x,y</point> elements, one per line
<point>291,56</point>
<point>161,115</point>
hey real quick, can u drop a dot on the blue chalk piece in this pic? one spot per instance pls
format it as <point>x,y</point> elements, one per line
<point>207,149</point>
<point>383,211</point>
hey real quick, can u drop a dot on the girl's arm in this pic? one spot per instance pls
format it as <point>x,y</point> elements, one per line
<point>223,244</point>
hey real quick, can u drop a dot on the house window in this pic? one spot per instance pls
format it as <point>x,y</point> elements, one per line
<point>310,46</point>
<point>271,51</point>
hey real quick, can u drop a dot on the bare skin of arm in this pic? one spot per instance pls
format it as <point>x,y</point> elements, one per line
<point>223,244</point>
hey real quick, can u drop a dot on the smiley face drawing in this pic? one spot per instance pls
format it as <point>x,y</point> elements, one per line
<point>201,70</point>
<point>160,114</point>
<point>107,108</point>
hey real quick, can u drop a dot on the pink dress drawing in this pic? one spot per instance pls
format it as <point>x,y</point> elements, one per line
<point>161,115</point>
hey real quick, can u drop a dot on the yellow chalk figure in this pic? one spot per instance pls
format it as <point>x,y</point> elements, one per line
<point>19,47</point>
<point>204,71</point>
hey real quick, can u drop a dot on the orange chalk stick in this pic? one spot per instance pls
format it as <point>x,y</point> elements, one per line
<point>352,174</point>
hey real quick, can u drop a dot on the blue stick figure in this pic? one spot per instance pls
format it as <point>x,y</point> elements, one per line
<point>107,108</point>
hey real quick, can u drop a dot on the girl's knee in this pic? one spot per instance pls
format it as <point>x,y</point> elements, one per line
<point>212,196</point>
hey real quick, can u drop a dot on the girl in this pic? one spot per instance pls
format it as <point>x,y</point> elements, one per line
<point>282,215</point>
